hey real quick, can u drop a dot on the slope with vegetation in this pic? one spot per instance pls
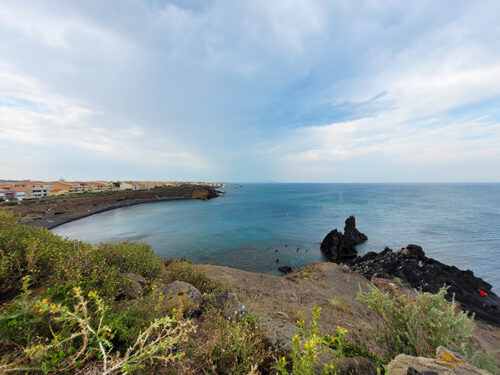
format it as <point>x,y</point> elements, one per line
<point>72,307</point>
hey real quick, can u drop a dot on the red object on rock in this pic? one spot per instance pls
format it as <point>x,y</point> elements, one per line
<point>482,293</point>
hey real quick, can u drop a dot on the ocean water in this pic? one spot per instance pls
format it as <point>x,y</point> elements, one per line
<point>253,226</point>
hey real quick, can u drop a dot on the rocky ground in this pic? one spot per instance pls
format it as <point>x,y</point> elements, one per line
<point>281,301</point>
<point>50,213</point>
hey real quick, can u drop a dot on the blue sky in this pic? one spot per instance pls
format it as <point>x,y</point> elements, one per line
<point>282,90</point>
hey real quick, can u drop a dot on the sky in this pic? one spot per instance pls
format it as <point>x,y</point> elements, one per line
<point>224,90</point>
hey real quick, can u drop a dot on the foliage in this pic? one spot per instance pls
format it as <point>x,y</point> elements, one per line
<point>236,346</point>
<point>45,257</point>
<point>62,336</point>
<point>185,271</point>
<point>417,326</point>
<point>309,345</point>
<point>135,257</point>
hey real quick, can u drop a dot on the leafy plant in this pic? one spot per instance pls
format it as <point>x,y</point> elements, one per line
<point>307,347</point>
<point>185,271</point>
<point>417,326</point>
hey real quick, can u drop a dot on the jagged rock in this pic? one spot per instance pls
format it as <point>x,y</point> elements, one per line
<point>418,271</point>
<point>228,304</point>
<point>131,286</point>
<point>339,246</point>
<point>445,363</point>
<point>285,269</point>
<point>182,296</point>
<point>278,332</point>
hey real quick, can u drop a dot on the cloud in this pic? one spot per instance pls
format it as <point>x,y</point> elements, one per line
<point>250,90</point>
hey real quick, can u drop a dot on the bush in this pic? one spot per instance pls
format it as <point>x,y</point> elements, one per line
<point>185,271</point>
<point>60,337</point>
<point>135,257</point>
<point>417,326</point>
<point>46,257</point>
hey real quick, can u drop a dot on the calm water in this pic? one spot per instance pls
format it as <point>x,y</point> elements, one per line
<point>455,223</point>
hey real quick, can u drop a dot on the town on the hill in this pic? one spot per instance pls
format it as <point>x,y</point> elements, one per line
<point>20,190</point>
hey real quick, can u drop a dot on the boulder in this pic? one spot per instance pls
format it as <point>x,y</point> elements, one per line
<point>285,269</point>
<point>182,296</point>
<point>338,246</point>
<point>445,363</point>
<point>278,332</point>
<point>131,286</point>
<point>418,271</point>
<point>228,304</point>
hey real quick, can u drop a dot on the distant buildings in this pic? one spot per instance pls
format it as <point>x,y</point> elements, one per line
<point>20,190</point>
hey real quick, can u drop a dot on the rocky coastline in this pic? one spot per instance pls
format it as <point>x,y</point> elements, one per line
<point>61,210</point>
<point>411,267</point>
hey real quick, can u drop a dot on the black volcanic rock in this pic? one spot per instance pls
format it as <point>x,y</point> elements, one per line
<point>339,246</point>
<point>285,269</point>
<point>412,266</point>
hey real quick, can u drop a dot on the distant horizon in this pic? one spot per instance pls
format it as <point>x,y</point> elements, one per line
<point>259,182</point>
<point>251,90</point>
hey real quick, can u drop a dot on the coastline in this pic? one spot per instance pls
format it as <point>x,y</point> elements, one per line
<point>53,213</point>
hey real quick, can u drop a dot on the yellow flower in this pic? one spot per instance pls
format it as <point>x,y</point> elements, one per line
<point>306,345</point>
<point>331,366</point>
<point>314,356</point>
<point>53,306</point>
<point>40,310</point>
<point>37,347</point>
<point>183,354</point>
<point>36,304</point>
<point>45,300</point>
<point>283,359</point>
<point>294,339</point>
<point>90,294</point>
<point>319,308</point>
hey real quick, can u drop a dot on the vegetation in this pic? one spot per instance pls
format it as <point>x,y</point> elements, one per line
<point>417,326</point>
<point>183,270</point>
<point>64,313</point>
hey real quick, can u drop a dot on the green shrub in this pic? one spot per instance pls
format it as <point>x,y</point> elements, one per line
<point>135,257</point>
<point>46,257</point>
<point>417,326</point>
<point>236,347</point>
<point>46,336</point>
<point>185,271</point>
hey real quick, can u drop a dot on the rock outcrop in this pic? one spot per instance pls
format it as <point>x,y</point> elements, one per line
<point>445,363</point>
<point>131,286</point>
<point>338,246</point>
<point>418,271</point>
<point>182,296</point>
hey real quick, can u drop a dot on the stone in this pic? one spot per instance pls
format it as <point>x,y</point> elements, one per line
<point>338,246</point>
<point>131,286</point>
<point>278,332</point>
<point>445,363</point>
<point>285,269</point>
<point>228,304</point>
<point>182,296</point>
<point>413,268</point>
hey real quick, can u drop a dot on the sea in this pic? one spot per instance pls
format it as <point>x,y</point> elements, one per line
<point>259,227</point>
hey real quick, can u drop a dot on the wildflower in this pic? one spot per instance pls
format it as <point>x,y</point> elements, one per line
<point>294,339</point>
<point>90,294</point>
<point>314,356</point>
<point>40,310</point>
<point>306,345</point>
<point>53,306</point>
<point>331,366</point>
<point>36,304</point>
<point>319,309</point>
<point>37,347</point>
<point>183,354</point>
<point>45,300</point>
<point>223,350</point>
<point>283,359</point>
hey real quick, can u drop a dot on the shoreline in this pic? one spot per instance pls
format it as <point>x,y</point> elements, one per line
<point>50,214</point>
<point>58,220</point>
